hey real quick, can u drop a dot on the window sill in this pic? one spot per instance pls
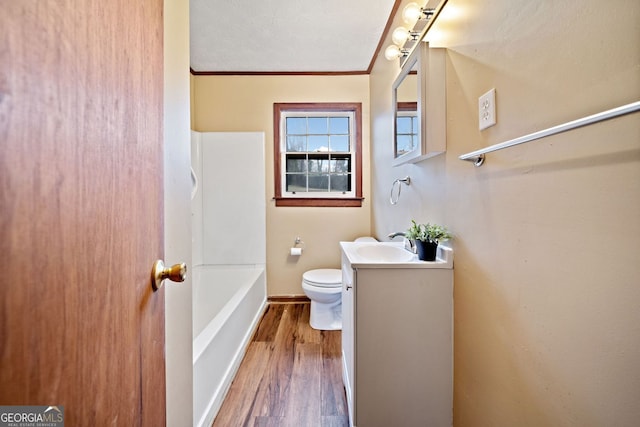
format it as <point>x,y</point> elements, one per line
<point>319,202</point>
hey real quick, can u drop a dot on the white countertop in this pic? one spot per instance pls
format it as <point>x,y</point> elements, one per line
<point>444,258</point>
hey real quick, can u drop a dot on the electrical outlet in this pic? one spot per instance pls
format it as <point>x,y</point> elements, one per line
<point>487,110</point>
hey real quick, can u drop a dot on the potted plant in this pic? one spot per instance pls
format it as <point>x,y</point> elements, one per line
<point>426,238</point>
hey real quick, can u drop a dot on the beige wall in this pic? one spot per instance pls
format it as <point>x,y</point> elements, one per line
<point>547,246</point>
<point>245,103</point>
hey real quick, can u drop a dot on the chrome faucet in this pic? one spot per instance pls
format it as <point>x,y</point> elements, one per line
<point>409,244</point>
<point>396,234</point>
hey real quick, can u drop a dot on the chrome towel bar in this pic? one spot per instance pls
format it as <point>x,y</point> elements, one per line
<point>477,157</point>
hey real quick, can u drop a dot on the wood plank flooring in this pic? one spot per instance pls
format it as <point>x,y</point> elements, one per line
<point>291,375</point>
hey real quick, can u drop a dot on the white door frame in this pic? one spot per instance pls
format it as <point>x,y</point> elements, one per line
<point>177,213</point>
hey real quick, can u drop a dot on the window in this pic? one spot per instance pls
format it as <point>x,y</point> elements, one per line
<point>317,154</point>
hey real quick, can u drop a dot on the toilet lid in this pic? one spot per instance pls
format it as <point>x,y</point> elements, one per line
<point>325,277</point>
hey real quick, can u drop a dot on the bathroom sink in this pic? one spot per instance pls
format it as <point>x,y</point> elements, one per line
<point>392,255</point>
<point>383,253</point>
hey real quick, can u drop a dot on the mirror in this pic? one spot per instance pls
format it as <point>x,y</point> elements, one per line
<point>418,95</point>
<point>406,126</point>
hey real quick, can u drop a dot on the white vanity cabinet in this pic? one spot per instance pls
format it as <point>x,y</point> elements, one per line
<point>397,341</point>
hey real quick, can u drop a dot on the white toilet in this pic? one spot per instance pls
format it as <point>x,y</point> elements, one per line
<point>324,288</point>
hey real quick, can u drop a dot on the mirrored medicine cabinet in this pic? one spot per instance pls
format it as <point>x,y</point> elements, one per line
<point>419,106</point>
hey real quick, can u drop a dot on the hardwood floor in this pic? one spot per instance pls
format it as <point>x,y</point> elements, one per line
<point>290,376</point>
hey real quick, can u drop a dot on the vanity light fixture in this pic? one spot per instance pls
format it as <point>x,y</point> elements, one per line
<point>412,13</point>
<point>405,39</point>
<point>400,35</point>
<point>394,52</point>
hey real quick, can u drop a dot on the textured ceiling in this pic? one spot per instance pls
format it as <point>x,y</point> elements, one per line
<point>286,35</point>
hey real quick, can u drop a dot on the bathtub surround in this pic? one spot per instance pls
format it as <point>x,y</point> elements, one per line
<point>229,279</point>
<point>230,167</point>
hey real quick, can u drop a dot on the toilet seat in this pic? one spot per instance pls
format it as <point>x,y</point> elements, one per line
<point>323,278</point>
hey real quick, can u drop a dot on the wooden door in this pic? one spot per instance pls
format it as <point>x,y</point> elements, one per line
<point>81,209</point>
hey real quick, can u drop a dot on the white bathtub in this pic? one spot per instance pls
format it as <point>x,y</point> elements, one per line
<point>228,302</point>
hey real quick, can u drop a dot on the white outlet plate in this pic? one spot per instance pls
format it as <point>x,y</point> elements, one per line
<point>487,110</point>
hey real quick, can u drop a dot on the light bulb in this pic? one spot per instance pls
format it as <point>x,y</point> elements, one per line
<point>392,52</point>
<point>411,13</point>
<point>400,35</point>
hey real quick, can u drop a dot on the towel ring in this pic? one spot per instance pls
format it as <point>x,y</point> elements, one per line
<point>406,181</point>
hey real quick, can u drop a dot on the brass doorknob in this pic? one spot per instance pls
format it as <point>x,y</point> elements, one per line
<point>175,273</point>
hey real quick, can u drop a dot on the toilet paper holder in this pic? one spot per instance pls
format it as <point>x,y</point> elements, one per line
<point>298,246</point>
<point>299,242</point>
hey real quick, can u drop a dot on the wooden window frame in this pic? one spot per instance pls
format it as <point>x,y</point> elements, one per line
<point>356,109</point>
